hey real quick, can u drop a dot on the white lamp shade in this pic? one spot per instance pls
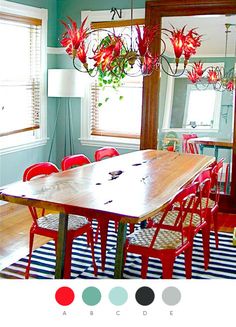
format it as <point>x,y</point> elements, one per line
<point>66,83</point>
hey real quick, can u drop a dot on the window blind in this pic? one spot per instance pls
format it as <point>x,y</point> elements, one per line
<point>20,74</point>
<point>116,114</point>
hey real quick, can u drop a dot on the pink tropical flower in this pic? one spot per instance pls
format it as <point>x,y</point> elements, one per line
<point>198,68</point>
<point>73,39</point>
<point>230,85</point>
<point>144,41</point>
<point>177,39</point>
<point>108,52</point>
<point>212,76</point>
<point>193,76</point>
<point>192,41</point>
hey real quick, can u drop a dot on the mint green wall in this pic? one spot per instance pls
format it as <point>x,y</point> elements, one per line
<point>73,9</point>
<point>13,164</point>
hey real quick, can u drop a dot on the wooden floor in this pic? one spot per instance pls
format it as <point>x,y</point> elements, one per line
<point>15,222</point>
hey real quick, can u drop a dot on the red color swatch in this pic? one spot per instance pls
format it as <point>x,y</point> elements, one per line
<point>64,295</point>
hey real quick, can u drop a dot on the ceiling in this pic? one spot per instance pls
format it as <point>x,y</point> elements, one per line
<point>212,29</point>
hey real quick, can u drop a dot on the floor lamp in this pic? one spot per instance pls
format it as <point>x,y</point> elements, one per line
<point>65,83</point>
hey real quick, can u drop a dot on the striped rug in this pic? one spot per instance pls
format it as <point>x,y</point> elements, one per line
<point>222,261</point>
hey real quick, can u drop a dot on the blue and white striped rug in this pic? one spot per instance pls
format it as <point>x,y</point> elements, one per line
<point>222,261</point>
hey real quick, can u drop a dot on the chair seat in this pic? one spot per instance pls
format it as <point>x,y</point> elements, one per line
<point>51,221</point>
<point>166,239</point>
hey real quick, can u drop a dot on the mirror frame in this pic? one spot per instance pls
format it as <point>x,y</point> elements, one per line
<point>155,10</point>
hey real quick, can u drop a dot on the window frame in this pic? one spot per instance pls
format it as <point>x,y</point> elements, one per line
<point>41,135</point>
<point>95,140</point>
<point>169,102</point>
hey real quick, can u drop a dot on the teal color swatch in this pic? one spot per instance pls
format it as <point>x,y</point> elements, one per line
<point>91,295</point>
<point>118,295</point>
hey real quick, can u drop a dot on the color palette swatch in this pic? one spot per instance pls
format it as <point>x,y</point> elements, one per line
<point>118,296</point>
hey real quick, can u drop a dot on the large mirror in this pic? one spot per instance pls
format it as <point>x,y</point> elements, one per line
<point>171,102</point>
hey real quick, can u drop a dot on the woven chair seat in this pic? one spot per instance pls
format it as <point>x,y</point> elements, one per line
<point>166,239</point>
<point>51,221</point>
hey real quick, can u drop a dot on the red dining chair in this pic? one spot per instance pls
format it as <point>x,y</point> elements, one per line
<point>47,225</point>
<point>105,152</point>
<point>79,160</point>
<point>189,147</point>
<point>193,148</point>
<point>74,160</point>
<point>169,238</point>
<point>201,219</point>
<point>198,214</point>
<point>213,210</point>
<point>100,154</point>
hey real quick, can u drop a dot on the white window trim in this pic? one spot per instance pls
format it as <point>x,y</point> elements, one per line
<point>91,140</point>
<point>40,13</point>
<point>169,102</point>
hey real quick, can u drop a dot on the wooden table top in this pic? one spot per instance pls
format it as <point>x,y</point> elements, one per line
<point>212,141</point>
<point>149,179</point>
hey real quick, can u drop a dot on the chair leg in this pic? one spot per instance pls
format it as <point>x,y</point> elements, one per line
<point>188,261</point>
<point>31,241</point>
<point>167,266</point>
<point>103,232</point>
<point>206,245</point>
<point>90,237</point>
<point>97,233</point>
<point>216,227</point>
<point>131,228</point>
<point>144,268</point>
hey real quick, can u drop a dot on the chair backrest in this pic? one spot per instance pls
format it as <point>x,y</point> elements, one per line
<point>192,148</point>
<point>185,144</point>
<point>216,179</point>
<point>182,203</point>
<point>38,170</point>
<point>204,179</point>
<point>105,152</point>
<point>73,161</point>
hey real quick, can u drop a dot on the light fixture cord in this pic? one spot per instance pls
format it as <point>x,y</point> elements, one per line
<point>131,19</point>
<point>227,31</point>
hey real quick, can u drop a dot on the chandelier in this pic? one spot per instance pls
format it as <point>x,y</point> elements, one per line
<point>118,55</point>
<point>217,77</point>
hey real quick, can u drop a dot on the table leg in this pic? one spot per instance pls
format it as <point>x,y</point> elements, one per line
<point>201,147</point>
<point>216,152</point>
<point>121,237</point>
<point>61,245</point>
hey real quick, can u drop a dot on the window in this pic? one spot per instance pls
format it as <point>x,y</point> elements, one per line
<point>112,115</point>
<point>21,80</point>
<point>201,108</point>
<point>188,108</point>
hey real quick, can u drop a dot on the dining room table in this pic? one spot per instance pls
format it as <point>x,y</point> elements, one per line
<point>130,188</point>
<point>212,142</point>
